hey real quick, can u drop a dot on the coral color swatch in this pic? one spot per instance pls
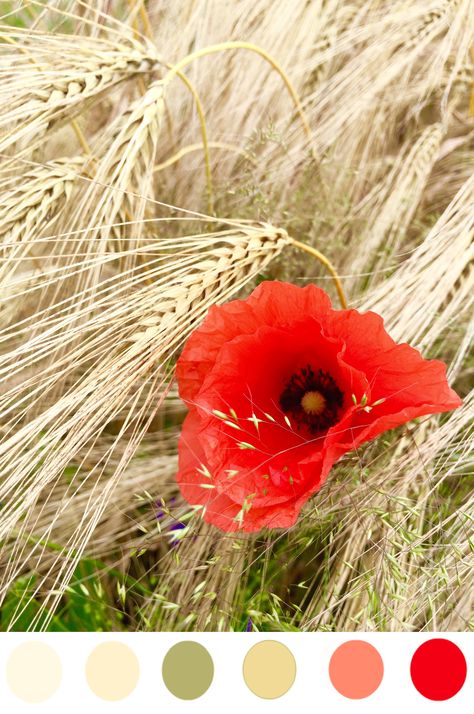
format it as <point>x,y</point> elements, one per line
<point>356,669</point>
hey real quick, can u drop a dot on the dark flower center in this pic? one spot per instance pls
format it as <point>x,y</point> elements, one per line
<point>313,399</point>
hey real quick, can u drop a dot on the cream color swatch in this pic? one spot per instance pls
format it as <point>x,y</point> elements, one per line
<point>34,671</point>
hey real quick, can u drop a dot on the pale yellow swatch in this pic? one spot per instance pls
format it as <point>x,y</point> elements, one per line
<point>112,671</point>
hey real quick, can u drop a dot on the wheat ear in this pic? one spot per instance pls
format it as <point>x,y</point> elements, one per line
<point>30,207</point>
<point>35,456</point>
<point>32,102</point>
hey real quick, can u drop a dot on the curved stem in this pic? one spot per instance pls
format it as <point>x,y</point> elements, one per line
<point>197,100</point>
<point>198,147</point>
<point>145,19</point>
<point>268,58</point>
<point>327,264</point>
<point>80,137</point>
<point>205,142</point>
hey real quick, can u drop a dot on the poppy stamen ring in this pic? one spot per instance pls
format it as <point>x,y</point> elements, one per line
<point>312,398</point>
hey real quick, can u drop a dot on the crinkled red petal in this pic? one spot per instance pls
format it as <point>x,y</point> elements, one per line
<point>406,385</point>
<point>271,303</point>
<point>238,362</point>
<point>219,509</point>
<point>261,454</point>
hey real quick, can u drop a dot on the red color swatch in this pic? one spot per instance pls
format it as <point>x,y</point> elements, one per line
<point>438,669</point>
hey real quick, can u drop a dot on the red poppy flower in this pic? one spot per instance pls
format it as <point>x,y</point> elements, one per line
<point>279,386</point>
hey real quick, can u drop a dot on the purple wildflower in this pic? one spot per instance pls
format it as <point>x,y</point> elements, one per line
<point>178,526</point>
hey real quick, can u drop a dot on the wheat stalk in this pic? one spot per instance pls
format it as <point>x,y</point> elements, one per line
<point>392,543</point>
<point>47,84</point>
<point>30,208</point>
<point>427,280</point>
<point>35,456</point>
<point>397,199</point>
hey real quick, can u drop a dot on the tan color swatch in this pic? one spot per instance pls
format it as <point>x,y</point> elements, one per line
<point>34,671</point>
<point>269,669</point>
<point>112,671</point>
<point>188,670</point>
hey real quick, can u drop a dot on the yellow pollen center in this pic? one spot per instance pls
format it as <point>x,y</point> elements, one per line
<point>313,402</point>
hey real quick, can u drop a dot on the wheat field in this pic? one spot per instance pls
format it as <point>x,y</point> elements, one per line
<point>157,158</point>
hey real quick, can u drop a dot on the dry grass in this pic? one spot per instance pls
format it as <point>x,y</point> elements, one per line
<point>142,184</point>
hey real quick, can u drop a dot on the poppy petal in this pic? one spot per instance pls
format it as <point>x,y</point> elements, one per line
<point>271,303</point>
<point>219,509</point>
<point>403,385</point>
<point>262,443</point>
<point>280,386</point>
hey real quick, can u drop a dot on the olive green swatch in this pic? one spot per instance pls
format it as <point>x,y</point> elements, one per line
<point>188,670</point>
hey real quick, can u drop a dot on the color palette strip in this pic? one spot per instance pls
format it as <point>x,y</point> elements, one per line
<point>214,668</point>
